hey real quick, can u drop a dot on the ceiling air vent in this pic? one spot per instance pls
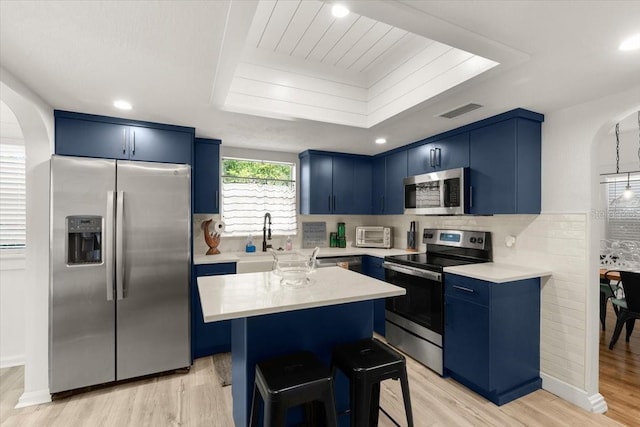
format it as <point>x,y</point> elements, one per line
<point>460,110</point>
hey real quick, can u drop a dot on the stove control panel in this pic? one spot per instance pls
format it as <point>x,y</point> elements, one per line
<point>457,238</point>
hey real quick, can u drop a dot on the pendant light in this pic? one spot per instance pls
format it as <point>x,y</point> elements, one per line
<point>627,198</point>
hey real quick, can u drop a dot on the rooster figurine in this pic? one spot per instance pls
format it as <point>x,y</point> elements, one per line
<point>212,239</point>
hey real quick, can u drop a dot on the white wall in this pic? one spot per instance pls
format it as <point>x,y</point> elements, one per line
<point>12,339</point>
<point>36,121</point>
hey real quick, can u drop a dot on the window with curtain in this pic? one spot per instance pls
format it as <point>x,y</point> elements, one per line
<point>251,188</point>
<point>12,196</point>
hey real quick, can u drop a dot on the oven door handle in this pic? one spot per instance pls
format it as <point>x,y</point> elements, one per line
<point>427,274</point>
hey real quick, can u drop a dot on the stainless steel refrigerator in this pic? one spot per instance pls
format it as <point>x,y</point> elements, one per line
<point>120,270</point>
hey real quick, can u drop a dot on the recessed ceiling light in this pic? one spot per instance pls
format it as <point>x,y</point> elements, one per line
<point>339,11</point>
<point>381,141</point>
<point>122,104</point>
<point>631,43</point>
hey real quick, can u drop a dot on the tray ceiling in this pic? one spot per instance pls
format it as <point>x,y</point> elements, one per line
<point>299,61</point>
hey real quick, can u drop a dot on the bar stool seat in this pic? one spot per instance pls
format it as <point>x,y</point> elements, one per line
<point>292,380</point>
<point>367,363</point>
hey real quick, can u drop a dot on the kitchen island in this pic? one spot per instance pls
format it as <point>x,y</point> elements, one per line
<point>269,320</point>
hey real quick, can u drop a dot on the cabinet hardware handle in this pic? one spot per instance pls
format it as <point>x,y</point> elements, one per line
<point>124,141</point>
<point>431,156</point>
<point>329,203</point>
<point>133,143</point>
<point>217,198</point>
<point>471,196</point>
<point>438,157</point>
<point>334,202</point>
<point>462,288</point>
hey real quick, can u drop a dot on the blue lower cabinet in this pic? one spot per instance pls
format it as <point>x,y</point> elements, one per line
<point>214,337</point>
<point>372,267</point>
<point>492,336</point>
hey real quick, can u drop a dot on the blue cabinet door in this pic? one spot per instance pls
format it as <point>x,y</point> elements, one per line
<point>505,171</point>
<point>206,175</point>
<point>88,135</point>
<point>342,185</point>
<point>321,184</point>
<point>159,145</point>
<point>451,152</point>
<point>213,337</point>
<point>466,341</point>
<point>493,169</point>
<point>91,139</point>
<point>362,195</point>
<point>378,186</point>
<point>446,153</point>
<point>396,168</point>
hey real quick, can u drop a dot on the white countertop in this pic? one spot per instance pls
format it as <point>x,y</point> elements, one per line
<point>235,296</point>
<point>324,252</point>
<point>497,272</point>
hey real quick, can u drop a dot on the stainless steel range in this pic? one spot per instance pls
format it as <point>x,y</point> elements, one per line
<point>415,321</point>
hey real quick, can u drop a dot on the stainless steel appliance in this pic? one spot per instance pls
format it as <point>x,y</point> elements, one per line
<point>374,237</point>
<point>414,321</point>
<point>437,193</point>
<point>354,262</point>
<point>120,257</point>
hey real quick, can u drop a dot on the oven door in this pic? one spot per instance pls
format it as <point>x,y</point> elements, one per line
<point>423,302</point>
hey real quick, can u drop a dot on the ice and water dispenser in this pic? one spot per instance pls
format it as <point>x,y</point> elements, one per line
<point>84,240</point>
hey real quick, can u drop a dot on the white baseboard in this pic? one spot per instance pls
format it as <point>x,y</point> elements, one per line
<point>9,362</point>
<point>589,402</point>
<point>34,398</point>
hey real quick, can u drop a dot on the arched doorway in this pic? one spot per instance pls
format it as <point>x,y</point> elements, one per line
<point>618,375</point>
<point>36,121</point>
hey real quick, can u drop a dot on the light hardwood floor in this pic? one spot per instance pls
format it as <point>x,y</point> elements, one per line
<point>197,399</point>
<point>620,373</point>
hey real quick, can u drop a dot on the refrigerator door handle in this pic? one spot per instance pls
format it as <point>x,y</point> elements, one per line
<point>108,240</point>
<point>120,245</point>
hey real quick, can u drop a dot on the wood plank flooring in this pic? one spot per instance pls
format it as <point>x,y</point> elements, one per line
<point>620,373</point>
<point>197,399</point>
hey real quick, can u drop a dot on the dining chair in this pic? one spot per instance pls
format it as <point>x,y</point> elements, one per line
<point>628,307</point>
<point>607,291</point>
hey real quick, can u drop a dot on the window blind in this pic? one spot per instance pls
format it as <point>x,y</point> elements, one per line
<point>246,200</point>
<point>623,217</point>
<point>12,196</point>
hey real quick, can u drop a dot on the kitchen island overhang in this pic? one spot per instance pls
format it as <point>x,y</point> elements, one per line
<point>270,320</point>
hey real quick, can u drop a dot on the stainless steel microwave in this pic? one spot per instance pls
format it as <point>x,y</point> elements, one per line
<point>374,237</point>
<point>437,193</point>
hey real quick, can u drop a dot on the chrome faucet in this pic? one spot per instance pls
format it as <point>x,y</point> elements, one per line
<point>266,236</point>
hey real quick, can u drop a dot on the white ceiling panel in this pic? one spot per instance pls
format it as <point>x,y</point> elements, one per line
<point>328,40</point>
<point>322,22</point>
<point>364,45</point>
<point>304,16</point>
<point>264,9</point>
<point>278,23</point>
<point>358,30</point>
<point>379,49</point>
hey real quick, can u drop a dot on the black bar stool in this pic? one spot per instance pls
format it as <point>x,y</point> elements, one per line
<point>292,380</point>
<point>366,363</point>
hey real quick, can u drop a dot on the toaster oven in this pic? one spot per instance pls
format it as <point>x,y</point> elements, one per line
<point>374,237</point>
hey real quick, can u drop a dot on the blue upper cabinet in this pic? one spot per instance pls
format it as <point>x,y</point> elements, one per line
<point>206,175</point>
<point>333,183</point>
<point>389,171</point>
<point>446,153</point>
<point>505,167</point>
<point>88,135</point>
